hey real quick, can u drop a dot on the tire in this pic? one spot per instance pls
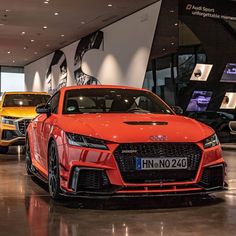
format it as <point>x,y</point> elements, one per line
<point>53,172</point>
<point>3,150</point>
<point>28,162</point>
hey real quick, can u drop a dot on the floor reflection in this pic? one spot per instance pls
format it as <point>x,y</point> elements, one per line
<point>27,209</point>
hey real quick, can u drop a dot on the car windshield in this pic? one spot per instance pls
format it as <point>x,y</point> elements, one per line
<point>24,100</point>
<point>105,100</point>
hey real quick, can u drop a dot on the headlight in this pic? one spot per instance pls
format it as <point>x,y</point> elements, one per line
<point>85,141</point>
<point>212,141</point>
<point>8,120</point>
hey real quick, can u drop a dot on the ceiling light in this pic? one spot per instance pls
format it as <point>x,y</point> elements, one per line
<point>62,35</point>
<point>32,40</point>
<point>7,10</point>
<point>47,45</point>
<point>35,53</point>
<point>163,49</point>
<point>176,24</point>
<point>172,43</point>
<point>82,23</point>
<point>109,5</point>
<point>45,27</point>
<point>46,2</point>
<point>172,11</point>
<point>23,32</point>
<point>56,14</point>
<point>9,52</point>
<point>13,61</point>
<point>25,47</point>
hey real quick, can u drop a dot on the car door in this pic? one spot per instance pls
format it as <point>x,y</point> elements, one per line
<point>46,126</point>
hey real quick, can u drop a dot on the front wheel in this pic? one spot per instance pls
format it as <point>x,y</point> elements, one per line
<point>3,149</point>
<point>28,162</point>
<point>53,172</point>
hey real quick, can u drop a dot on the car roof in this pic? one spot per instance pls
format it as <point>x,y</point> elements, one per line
<point>100,87</point>
<point>43,93</point>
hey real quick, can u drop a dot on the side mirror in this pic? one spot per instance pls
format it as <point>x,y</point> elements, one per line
<point>178,110</point>
<point>43,109</point>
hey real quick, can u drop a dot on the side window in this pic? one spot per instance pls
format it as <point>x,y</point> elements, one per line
<point>54,103</point>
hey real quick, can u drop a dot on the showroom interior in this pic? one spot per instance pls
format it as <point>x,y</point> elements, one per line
<point>184,51</point>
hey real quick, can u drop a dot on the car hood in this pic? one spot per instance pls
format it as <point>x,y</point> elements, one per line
<point>21,112</point>
<point>123,128</point>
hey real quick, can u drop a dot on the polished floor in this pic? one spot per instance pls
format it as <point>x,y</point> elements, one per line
<point>26,209</point>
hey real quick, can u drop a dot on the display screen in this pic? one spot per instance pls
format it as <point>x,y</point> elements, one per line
<point>229,101</point>
<point>199,101</point>
<point>201,72</point>
<point>229,74</point>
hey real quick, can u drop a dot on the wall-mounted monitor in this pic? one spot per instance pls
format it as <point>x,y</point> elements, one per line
<point>229,101</point>
<point>201,72</point>
<point>199,101</point>
<point>229,74</point>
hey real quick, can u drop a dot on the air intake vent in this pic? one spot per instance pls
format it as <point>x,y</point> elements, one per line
<point>146,123</point>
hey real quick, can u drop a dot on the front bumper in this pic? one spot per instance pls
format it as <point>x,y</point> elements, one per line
<point>12,135</point>
<point>91,182</point>
<point>97,174</point>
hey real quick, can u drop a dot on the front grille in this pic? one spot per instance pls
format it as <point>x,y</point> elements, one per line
<point>89,179</point>
<point>22,126</point>
<point>126,155</point>
<point>213,177</point>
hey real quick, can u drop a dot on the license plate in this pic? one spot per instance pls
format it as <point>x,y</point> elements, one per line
<point>161,163</point>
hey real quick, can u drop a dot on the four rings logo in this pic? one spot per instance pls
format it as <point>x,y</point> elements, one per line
<point>158,138</point>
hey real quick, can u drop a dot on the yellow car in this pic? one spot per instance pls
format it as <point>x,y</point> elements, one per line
<point>16,111</point>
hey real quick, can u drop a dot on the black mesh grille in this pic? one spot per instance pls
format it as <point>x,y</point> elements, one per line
<point>22,125</point>
<point>88,179</point>
<point>92,179</point>
<point>127,161</point>
<point>213,177</point>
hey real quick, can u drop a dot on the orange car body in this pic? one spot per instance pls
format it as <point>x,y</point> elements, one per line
<point>129,138</point>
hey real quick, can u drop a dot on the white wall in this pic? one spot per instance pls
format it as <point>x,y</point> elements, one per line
<point>127,45</point>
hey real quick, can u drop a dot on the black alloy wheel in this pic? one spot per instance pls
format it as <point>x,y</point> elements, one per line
<point>3,150</point>
<point>28,162</point>
<point>53,172</point>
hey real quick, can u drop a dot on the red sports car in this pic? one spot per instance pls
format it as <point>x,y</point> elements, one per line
<point>106,141</point>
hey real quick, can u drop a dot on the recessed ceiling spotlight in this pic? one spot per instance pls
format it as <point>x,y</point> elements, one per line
<point>56,14</point>
<point>172,11</point>
<point>45,27</point>
<point>13,61</point>
<point>35,53</point>
<point>172,43</point>
<point>9,52</point>
<point>163,49</point>
<point>176,24</point>
<point>46,2</point>
<point>23,32</point>
<point>32,40</point>
<point>62,35</point>
<point>47,45</point>
<point>7,10</point>
<point>25,47</point>
<point>109,5</point>
<point>82,23</point>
